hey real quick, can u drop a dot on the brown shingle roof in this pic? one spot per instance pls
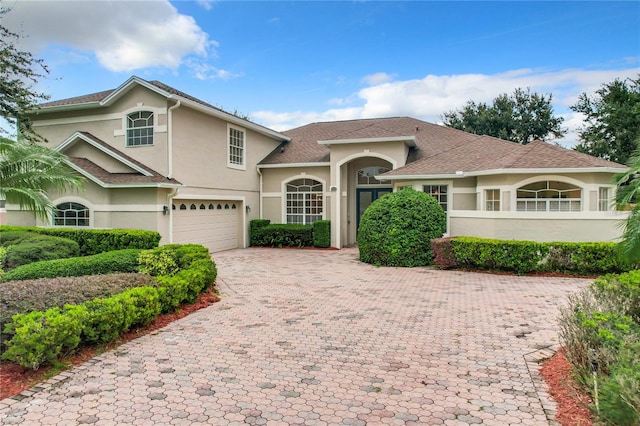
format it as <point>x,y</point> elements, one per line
<point>119,178</point>
<point>439,149</point>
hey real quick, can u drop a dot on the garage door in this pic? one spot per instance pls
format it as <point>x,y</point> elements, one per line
<point>213,224</point>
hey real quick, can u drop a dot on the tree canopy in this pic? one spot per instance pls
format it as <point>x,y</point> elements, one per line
<point>612,119</point>
<point>19,72</point>
<point>522,117</point>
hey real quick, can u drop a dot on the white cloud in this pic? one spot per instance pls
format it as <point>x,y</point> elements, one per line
<point>433,95</point>
<point>206,4</point>
<point>377,78</point>
<point>123,35</point>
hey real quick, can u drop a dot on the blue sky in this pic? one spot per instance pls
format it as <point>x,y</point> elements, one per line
<point>290,63</point>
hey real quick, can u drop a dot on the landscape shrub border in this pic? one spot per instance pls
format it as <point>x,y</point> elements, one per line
<point>40,337</point>
<point>24,247</point>
<point>102,263</point>
<point>524,257</point>
<point>94,241</point>
<point>600,330</point>
<point>263,233</point>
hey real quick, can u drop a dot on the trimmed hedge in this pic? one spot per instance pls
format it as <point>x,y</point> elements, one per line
<point>396,229</point>
<point>94,241</point>
<point>528,256</point>
<point>102,263</point>
<point>26,247</point>
<point>322,233</point>
<point>283,235</point>
<point>41,337</point>
<point>254,230</point>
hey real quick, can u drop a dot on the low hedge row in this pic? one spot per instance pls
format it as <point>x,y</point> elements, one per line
<point>41,337</point>
<point>102,263</point>
<point>26,247</point>
<point>528,256</point>
<point>263,233</point>
<point>93,241</point>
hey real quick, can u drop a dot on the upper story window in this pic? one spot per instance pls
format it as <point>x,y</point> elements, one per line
<point>549,196</point>
<point>236,148</point>
<point>439,192</point>
<point>140,128</point>
<point>304,201</point>
<point>71,214</point>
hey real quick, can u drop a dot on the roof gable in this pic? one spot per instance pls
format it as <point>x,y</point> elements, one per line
<point>107,166</point>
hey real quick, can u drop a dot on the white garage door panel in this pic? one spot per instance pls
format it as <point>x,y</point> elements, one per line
<point>216,229</point>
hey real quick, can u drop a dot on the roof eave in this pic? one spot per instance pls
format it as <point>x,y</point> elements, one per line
<point>408,140</point>
<point>462,174</point>
<point>231,118</point>
<point>289,165</point>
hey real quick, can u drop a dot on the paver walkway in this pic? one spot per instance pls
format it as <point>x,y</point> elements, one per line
<point>318,338</point>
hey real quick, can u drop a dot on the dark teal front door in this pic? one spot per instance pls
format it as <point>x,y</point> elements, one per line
<point>366,196</point>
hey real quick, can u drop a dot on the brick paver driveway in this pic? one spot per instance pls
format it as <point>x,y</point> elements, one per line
<point>317,338</point>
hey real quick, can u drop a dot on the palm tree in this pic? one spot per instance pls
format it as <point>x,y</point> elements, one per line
<point>28,170</point>
<point>628,197</point>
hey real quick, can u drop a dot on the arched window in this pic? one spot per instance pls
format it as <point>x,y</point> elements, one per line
<point>71,214</point>
<point>367,175</point>
<point>140,128</point>
<point>549,196</point>
<point>304,201</point>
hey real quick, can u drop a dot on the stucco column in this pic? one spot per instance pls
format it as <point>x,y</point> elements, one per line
<point>335,205</point>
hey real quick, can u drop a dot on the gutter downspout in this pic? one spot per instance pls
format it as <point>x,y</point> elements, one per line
<point>260,193</point>
<point>170,139</point>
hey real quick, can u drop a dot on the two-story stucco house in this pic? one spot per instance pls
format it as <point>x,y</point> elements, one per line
<point>159,159</point>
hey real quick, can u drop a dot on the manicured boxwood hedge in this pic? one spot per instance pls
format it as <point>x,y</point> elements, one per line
<point>102,263</point>
<point>40,337</point>
<point>26,247</point>
<point>263,233</point>
<point>528,256</point>
<point>93,241</point>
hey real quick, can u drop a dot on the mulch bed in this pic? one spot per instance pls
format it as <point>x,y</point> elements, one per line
<point>14,378</point>
<point>572,403</point>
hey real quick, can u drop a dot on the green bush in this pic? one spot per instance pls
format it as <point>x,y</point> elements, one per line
<point>530,256</point>
<point>284,235</point>
<point>254,226</point>
<point>621,290</point>
<point>28,247</point>
<point>41,337</point>
<point>158,263</point>
<point>103,263</point>
<point>619,394</point>
<point>93,241</point>
<point>585,258</point>
<point>396,229</point>
<point>483,253</point>
<point>599,332</point>
<point>102,320</point>
<point>322,233</point>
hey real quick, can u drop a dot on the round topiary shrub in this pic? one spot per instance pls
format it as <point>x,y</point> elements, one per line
<point>397,229</point>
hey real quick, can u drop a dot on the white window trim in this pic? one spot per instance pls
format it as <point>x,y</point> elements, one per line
<point>123,116</point>
<point>283,215</point>
<point>231,165</point>
<point>76,200</point>
<point>485,199</point>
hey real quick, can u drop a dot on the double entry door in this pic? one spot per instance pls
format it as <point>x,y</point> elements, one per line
<point>366,196</point>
